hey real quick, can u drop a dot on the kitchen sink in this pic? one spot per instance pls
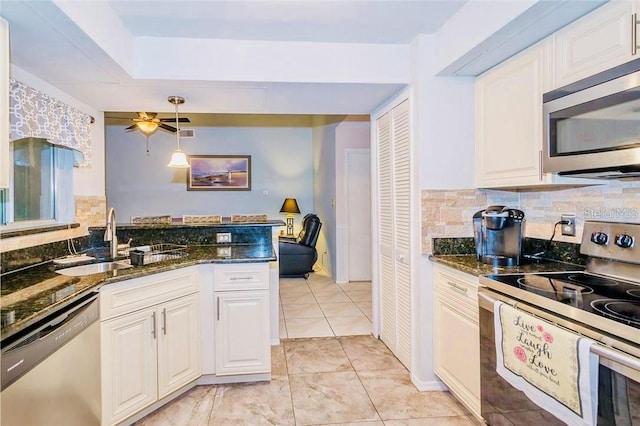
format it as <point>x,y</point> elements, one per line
<point>92,268</point>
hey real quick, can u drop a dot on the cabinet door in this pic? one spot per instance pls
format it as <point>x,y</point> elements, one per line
<point>598,41</point>
<point>457,352</point>
<point>5,152</point>
<point>242,332</point>
<point>178,344</point>
<point>509,120</point>
<point>129,364</point>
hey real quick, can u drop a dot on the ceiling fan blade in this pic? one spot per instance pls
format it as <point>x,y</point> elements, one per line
<point>165,127</point>
<point>133,126</point>
<point>173,120</point>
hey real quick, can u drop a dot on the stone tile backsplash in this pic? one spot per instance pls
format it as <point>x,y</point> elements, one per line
<point>448,213</point>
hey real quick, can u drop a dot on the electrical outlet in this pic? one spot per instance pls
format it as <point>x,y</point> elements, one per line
<point>223,237</point>
<point>569,228</point>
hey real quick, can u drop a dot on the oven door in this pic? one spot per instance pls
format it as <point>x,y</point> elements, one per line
<point>501,404</point>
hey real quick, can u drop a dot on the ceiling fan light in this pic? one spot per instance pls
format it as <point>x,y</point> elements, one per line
<point>147,127</point>
<point>178,160</point>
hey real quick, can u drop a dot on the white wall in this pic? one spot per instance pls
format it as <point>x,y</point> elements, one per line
<point>443,126</point>
<point>324,192</point>
<point>349,135</point>
<point>86,180</point>
<point>139,185</point>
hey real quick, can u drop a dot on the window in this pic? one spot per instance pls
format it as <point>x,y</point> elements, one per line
<point>41,190</point>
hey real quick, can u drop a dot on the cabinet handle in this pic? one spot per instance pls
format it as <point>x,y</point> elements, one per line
<point>540,166</point>
<point>457,287</point>
<point>218,308</point>
<point>634,33</point>
<point>164,321</point>
<point>153,330</point>
<point>250,277</point>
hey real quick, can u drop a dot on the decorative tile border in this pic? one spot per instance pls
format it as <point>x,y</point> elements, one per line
<point>201,219</point>
<point>249,218</point>
<point>151,220</point>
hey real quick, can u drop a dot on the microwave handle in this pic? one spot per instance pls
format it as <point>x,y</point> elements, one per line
<point>634,34</point>
<point>540,165</point>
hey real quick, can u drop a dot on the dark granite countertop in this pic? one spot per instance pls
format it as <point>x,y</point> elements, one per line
<point>469,264</point>
<point>30,294</point>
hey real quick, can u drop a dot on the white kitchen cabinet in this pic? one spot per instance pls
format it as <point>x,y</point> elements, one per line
<point>5,152</point>
<point>596,42</point>
<point>456,334</point>
<point>508,119</point>
<point>242,332</point>
<point>242,326</point>
<point>151,350</point>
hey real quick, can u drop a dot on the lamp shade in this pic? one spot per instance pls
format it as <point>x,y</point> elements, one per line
<point>178,160</point>
<point>147,127</point>
<point>290,205</point>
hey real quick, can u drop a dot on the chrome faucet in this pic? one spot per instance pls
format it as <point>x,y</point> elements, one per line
<point>110,233</point>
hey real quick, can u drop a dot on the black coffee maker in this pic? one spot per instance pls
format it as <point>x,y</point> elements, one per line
<point>498,235</point>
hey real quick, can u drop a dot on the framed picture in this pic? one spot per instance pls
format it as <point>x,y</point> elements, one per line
<point>219,173</point>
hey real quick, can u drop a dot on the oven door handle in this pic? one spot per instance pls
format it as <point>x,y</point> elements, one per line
<point>598,349</point>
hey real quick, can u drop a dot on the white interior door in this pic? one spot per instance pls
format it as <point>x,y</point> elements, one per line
<point>359,214</point>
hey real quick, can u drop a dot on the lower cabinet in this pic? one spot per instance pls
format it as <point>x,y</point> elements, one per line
<point>151,352</point>
<point>242,332</point>
<point>242,327</point>
<point>456,334</point>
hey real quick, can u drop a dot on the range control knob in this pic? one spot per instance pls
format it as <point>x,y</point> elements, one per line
<point>624,240</point>
<point>599,238</point>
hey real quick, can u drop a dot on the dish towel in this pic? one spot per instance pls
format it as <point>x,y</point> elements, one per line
<point>552,366</point>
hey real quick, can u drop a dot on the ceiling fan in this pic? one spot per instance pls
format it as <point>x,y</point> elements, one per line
<point>148,122</point>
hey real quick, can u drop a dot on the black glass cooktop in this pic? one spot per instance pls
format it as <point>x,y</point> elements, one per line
<point>614,299</point>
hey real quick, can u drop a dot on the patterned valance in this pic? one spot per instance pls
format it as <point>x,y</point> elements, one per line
<point>34,114</point>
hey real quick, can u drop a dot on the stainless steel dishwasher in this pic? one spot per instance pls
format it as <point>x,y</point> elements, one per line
<point>51,370</point>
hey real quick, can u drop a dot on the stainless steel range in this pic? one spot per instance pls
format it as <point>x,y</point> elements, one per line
<point>602,303</point>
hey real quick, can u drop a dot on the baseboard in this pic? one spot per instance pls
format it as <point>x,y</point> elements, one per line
<point>428,386</point>
<point>275,342</point>
<point>212,379</point>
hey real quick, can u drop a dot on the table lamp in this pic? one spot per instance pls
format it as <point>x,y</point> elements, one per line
<point>290,207</point>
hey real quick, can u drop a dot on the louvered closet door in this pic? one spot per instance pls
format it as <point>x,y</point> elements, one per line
<point>385,232</point>
<point>402,230</point>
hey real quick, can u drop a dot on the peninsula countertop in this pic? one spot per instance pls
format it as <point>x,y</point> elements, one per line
<point>30,294</point>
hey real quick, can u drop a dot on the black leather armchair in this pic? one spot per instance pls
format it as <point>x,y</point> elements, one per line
<point>298,256</point>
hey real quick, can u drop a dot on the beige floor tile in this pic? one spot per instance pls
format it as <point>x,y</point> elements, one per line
<point>192,408</point>
<point>365,307</point>
<point>308,327</point>
<point>367,353</point>
<point>350,326</point>
<point>319,278</point>
<point>288,283</point>
<point>373,423</point>
<point>342,309</point>
<point>359,295</point>
<point>396,398</point>
<point>264,403</point>
<point>297,299</point>
<point>334,288</point>
<point>356,285</point>
<point>293,291</point>
<point>435,421</point>
<point>283,329</point>
<point>304,310</point>
<point>315,356</point>
<point>278,361</point>
<point>325,398</point>
<point>332,297</point>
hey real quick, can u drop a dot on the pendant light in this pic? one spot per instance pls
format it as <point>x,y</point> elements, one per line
<point>178,158</point>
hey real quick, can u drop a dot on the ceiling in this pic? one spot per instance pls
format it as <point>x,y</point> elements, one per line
<point>51,43</point>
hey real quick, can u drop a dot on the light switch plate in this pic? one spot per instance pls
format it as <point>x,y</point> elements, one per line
<point>223,237</point>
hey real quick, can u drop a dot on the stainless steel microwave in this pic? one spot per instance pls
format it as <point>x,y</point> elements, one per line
<point>592,127</point>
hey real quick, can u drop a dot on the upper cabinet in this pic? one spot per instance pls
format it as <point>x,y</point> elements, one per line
<point>601,40</point>
<point>508,113</point>
<point>4,104</point>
